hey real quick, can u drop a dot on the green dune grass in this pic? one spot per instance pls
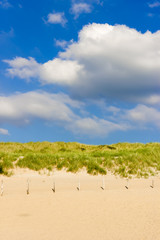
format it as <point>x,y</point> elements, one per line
<point>123,159</point>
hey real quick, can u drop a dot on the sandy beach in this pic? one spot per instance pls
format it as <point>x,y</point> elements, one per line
<point>116,213</point>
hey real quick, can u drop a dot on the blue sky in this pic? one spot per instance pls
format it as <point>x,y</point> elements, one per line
<point>86,71</point>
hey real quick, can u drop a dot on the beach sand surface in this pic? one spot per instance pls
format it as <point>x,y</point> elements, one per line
<point>116,213</point>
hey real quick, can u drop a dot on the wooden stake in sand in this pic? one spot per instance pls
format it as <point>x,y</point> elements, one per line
<point>152,185</point>
<point>127,185</point>
<point>54,186</point>
<point>28,186</point>
<point>103,183</point>
<point>79,186</point>
<point>2,188</point>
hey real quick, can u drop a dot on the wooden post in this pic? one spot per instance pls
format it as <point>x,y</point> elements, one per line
<point>103,183</point>
<point>152,186</point>
<point>54,186</point>
<point>2,187</point>
<point>27,186</point>
<point>127,185</point>
<point>79,186</point>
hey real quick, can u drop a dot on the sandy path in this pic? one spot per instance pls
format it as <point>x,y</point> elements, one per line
<point>91,213</point>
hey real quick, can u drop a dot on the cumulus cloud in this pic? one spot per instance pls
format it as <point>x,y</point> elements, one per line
<point>144,115</point>
<point>23,107</point>
<point>62,43</point>
<point>5,4</point>
<point>4,131</point>
<point>56,18</point>
<point>96,126</point>
<point>150,100</point>
<point>62,72</point>
<point>154,4</point>
<point>78,8</point>
<point>23,68</point>
<point>58,71</point>
<point>60,109</point>
<point>112,62</point>
<point>118,62</point>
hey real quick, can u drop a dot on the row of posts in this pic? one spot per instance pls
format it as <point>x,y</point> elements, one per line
<point>78,186</point>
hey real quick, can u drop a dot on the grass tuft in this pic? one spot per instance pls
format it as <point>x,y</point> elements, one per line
<point>123,159</point>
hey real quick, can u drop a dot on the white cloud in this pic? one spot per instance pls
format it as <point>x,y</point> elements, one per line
<point>58,71</point>
<point>5,4</point>
<point>118,62</point>
<point>56,18</point>
<point>96,127</point>
<point>62,43</point>
<point>22,107</point>
<point>144,115</point>
<point>112,62</point>
<point>23,68</point>
<point>154,4</point>
<point>62,72</point>
<point>114,110</point>
<point>150,100</point>
<point>4,131</point>
<point>60,109</point>
<point>79,8</point>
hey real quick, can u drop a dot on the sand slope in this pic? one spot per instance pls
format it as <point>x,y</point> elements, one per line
<point>91,213</point>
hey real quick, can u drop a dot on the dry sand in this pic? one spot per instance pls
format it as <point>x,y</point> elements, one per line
<point>68,214</point>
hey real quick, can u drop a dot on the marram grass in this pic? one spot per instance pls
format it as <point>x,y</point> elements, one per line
<point>123,159</point>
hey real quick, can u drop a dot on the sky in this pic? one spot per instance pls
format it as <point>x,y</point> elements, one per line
<point>80,71</point>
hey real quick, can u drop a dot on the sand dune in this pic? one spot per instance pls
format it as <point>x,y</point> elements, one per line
<point>91,213</point>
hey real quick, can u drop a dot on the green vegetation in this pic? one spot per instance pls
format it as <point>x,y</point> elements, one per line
<point>124,159</point>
